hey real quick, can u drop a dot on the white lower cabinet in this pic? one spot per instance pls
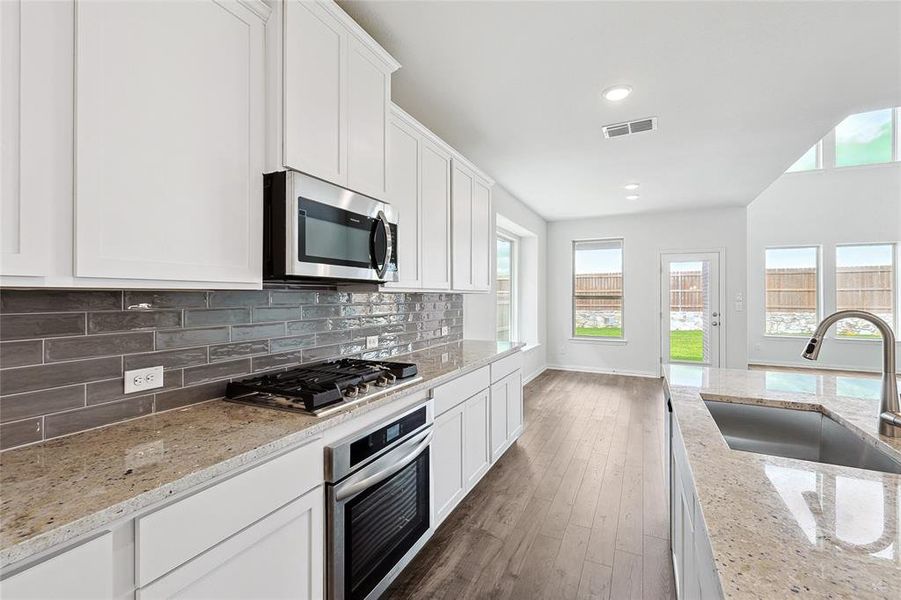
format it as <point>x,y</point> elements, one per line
<point>693,565</point>
<point>447,463</point>
<point>460,452</point>
<point>506,412</point>
<point>476,451</point>
<point>84,571</point>
<point>280,556</point>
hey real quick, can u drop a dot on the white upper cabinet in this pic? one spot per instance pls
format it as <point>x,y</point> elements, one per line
<point>472,226</point>
<point>435,192</point>
<point>419,188</point>
<point>27,136</point>
<point>169,144</point>
<point>368,103</point>
<point>315,115</point>
<point>403,194</point>
<point>336,98</point>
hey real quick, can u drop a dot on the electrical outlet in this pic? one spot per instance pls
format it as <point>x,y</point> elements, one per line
<point>444,330</point>
<point>372,341</point>
<point>141,380</point>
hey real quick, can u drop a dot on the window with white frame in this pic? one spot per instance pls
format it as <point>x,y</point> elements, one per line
<point>868,138</point>
<point>598,288</point>
<point>864,139</point>
<point>507,287</point>
<point>792,291</point>
<point>864,280</point>
<point>809,161</point>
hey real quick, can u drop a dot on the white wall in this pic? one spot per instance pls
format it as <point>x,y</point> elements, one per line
<point>820,208</point>
<point>645,237</point>
<point>480,310</point>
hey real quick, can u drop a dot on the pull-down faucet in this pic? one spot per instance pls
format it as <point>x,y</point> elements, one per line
<point>889,405</point>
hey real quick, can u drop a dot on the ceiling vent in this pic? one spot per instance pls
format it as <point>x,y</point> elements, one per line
<point>632,127</point>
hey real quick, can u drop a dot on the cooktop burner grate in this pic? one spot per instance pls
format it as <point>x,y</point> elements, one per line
<point>319,385</point>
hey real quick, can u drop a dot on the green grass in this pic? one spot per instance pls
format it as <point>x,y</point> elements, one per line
<point>684,345</point>
<point>687,345</point>
<point>610,332</point>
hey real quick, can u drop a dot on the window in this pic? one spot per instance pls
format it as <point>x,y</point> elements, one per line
<point>598,289</point>
<point>809,161</point>
<point>792,290</point>
<point>864,280</point>
<point>507,297</point>
<point>864,139</point>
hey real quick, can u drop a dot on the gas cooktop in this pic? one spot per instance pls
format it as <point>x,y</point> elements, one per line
<point>323,388</point>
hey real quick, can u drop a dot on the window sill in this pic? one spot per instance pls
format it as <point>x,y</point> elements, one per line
<point>531,346</point>
<point>599,340</point>
<point>855,340</point>
<point>769,336</point>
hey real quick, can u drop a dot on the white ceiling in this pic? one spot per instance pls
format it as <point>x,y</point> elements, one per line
<point>741,89</point>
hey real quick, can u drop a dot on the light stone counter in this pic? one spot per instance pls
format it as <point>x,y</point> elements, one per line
<point>57,490</point>
<point>784,528</point>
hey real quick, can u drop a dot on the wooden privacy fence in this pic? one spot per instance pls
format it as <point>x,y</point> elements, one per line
<point>787,290</point>
<point>604,291</point>
<point>795,290</point>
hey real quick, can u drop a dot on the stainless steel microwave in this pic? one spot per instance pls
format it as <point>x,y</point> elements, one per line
<point>315,229</point>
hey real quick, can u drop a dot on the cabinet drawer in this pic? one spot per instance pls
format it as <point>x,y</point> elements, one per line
<point>180,531</point>
<point>85,571</point>
<point>450,394</point>
<point>505,366</point>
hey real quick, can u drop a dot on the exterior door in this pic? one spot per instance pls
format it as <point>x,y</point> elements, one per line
<point>691,316</point>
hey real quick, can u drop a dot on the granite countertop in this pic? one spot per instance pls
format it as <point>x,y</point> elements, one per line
<point>782,527</point>
<point>57,490</point>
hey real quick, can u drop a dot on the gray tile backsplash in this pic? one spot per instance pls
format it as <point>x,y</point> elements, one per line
<point>63,352</point>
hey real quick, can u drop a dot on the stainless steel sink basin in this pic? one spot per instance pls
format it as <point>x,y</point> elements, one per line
<point>803,434</point>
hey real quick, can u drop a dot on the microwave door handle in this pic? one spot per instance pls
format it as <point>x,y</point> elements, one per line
<point>381,267</point>
<point>343,493</point>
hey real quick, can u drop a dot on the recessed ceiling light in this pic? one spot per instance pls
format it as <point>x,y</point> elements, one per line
<point>617,93</point>
<point>632,197</point>
<point>631,186</point>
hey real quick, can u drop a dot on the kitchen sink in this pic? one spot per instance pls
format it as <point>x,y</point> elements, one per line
<point>803,434</point>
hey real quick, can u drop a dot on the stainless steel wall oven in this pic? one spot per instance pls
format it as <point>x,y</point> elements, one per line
<point>378,504</point>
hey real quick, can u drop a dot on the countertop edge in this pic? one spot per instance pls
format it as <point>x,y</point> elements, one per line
<point>126,509</point>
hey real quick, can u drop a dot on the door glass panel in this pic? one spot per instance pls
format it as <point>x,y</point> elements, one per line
<point>689,311</point>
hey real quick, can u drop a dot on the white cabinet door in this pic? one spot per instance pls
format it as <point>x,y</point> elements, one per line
<point>476,451</point>
<point>482,239</point>
<point>403,195</point>
<point>280,556</point>
<point>514,405</point>
<point>447,463</point>
<point>85,571</point>
<point>435,205</point>
<point>461,210</point>
<point>315,113</point>
<point>368,100</point>
<point>499,401</point>
<point>31,90</point>
<point>169,140</point>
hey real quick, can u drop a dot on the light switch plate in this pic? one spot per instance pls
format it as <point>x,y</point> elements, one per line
<point>141,380</point>
<point>444,330</point>
<point>372,341</point>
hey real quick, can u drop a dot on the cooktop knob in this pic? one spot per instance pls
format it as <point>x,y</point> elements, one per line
<point>363,387</point>
<point>351,391</point>
<point>382,381</point>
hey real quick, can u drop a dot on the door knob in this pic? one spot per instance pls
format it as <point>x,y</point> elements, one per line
<point>716,314</point>
<point>715,323</point>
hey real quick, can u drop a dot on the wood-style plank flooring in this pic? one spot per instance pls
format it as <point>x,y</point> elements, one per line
<point>575,509</point>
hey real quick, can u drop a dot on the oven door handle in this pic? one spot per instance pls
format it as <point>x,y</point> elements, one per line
<point>352,489</point>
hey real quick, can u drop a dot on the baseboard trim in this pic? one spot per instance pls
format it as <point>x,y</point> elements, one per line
<point>578,369</point>
<point>534,375</point>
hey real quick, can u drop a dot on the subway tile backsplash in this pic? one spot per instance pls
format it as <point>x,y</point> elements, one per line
<point>63,352</point>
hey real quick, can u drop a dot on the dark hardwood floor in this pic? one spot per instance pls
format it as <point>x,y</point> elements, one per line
<point>575,509</point>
